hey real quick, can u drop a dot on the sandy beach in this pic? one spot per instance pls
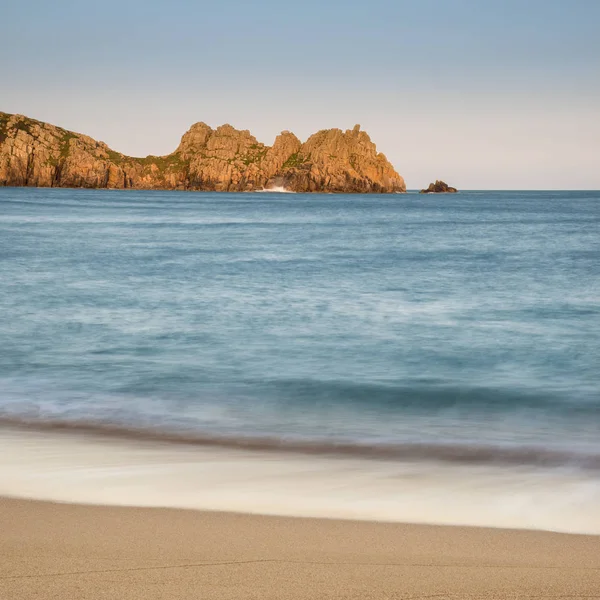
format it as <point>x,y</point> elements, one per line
<point>67,551</point>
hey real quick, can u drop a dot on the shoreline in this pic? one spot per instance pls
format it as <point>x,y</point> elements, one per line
<point>69,551</point>
<point>6,498</point>
<point>85,469</point>
<point>460,452</point>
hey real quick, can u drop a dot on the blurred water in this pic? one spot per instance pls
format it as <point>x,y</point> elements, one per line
<point>455,327</point>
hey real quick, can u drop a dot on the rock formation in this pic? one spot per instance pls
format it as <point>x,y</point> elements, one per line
<point>439,187</point>
<point>37,154</point>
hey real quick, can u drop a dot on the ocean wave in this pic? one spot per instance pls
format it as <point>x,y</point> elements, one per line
<point>428,394</point>
<point>277,189</point>
<point>454,453</point>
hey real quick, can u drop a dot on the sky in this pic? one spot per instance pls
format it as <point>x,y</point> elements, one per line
<point>485,94</point>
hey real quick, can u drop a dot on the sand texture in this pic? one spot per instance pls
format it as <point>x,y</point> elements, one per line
<point>65,552</point>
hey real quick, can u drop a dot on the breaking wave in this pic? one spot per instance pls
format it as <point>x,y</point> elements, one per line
<point>453,453</point>
<point>278,189</point>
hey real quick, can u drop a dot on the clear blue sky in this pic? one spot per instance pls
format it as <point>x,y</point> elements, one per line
<point>482,93</point>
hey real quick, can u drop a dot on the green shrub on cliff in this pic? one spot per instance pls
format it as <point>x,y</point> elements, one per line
<point>295,160</point>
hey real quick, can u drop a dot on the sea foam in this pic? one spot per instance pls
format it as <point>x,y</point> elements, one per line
<point>279,189</point>
<point>93,469</point>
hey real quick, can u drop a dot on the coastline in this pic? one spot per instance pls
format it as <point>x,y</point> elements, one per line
<point>72,551</point>
<point>225,159</point>
<point>92,469</point>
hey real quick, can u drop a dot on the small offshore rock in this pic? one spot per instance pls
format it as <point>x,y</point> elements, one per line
<point>439,187</point>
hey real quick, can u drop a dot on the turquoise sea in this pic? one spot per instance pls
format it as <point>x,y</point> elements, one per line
<point>429,358</point>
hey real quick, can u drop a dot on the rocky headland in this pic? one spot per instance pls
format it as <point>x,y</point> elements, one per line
<point>37,154</point>
<point>439,187</point>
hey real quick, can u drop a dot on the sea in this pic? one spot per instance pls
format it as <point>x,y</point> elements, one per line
<point>405,357</point>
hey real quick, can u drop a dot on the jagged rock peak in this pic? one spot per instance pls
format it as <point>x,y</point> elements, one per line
<point>33,153</point>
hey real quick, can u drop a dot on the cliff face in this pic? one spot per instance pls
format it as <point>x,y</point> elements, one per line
<point>37,154</point>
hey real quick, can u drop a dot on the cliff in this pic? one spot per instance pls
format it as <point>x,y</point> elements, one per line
<point>37,154</point>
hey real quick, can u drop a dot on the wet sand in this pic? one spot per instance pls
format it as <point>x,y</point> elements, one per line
<point>68,552</point>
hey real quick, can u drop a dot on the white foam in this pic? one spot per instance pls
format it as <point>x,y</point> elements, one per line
<point>101,470</point>
<point>279,189</point>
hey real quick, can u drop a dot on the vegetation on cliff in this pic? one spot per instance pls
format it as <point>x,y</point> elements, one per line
<point>33,153</point>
